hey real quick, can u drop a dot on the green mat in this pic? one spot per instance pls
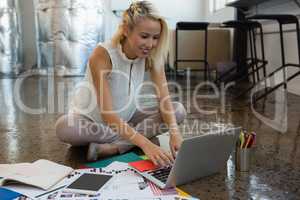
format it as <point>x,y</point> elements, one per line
<point>127,157</point>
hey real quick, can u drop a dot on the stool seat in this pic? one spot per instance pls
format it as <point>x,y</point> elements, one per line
<point>241,24</point>
<point>281,18</point>
<point>192,25</point>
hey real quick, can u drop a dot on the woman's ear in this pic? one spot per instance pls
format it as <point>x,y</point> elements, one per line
<point>125,30</point>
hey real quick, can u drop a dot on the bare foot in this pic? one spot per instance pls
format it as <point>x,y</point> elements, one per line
<point>96,151</point>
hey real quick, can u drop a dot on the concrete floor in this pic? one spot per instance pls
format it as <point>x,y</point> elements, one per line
<point>275,172</point>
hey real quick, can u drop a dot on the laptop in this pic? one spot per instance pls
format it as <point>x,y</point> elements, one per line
<point>198,157</point>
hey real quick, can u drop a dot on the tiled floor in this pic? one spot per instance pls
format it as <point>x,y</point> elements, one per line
<point>275,172</point>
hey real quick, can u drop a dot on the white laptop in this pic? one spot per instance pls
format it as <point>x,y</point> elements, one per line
<point>198,157</point>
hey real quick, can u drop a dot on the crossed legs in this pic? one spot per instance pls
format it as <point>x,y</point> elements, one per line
<point>79,130</point>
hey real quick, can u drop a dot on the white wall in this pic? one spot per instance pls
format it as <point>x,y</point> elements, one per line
<point>221,15</point>
<point>172,10</point>
<point>224,14</point>
<point>179,10</point>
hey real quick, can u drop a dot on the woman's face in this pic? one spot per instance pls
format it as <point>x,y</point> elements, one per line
<point>143,38</point>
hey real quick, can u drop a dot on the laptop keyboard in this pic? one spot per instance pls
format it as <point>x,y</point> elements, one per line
<point>161,173</point>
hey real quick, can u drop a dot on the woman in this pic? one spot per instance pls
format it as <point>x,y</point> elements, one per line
<point>115,73</point>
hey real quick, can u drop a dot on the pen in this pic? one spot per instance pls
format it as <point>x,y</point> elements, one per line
<point>51,191</point>
<point>246,136</point>
<point>249,141</point>
<point>242,139</point>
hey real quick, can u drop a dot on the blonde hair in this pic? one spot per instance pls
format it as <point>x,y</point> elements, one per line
<point>136,11</point>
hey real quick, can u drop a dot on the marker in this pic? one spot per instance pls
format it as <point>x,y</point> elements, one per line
<point>248,141</point>
<point>242,139</point>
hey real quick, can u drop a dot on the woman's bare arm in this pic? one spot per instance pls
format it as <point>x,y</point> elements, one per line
<point>166,108</point>
<point>158,77</point>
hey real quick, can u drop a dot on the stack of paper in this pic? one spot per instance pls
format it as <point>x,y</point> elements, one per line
<point>125,184</point>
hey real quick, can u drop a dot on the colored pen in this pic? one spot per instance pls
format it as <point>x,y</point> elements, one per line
<point>248,141</point>
<point>246,136</point>
<point>242,139</point>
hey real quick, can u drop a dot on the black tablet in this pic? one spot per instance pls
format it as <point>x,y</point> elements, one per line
<point>88,183</point>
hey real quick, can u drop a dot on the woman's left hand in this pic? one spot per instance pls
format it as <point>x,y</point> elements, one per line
<point>175,142</point>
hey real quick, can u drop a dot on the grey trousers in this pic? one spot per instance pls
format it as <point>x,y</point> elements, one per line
<point>79,130</point>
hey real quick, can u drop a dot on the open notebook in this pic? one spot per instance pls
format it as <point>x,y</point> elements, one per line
<point>42,173</point>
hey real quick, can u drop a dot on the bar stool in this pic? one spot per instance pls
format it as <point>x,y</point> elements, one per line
<point>254,63</point>
<point>192,26</point>
<point>282,20</point>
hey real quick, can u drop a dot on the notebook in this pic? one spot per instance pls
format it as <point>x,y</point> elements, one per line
<point>42,173</point>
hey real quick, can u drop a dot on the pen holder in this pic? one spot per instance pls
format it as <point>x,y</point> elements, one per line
<point>243,159</point>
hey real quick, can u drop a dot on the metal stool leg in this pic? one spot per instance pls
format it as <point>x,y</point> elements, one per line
<point>282,55</point>
<point>255,54</point>
<point>252,55</point>
<point>263,51</point>
<point>205,56</point>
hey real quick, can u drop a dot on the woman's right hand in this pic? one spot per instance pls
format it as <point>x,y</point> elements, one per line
<point>156,154</point>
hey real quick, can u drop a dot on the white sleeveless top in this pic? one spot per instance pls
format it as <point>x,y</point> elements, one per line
<point>125,82</point>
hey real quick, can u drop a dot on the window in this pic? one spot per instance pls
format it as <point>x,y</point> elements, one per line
<point>215,5</point>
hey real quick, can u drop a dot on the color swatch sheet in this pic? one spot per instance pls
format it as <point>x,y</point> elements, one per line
<point>127,157</point>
